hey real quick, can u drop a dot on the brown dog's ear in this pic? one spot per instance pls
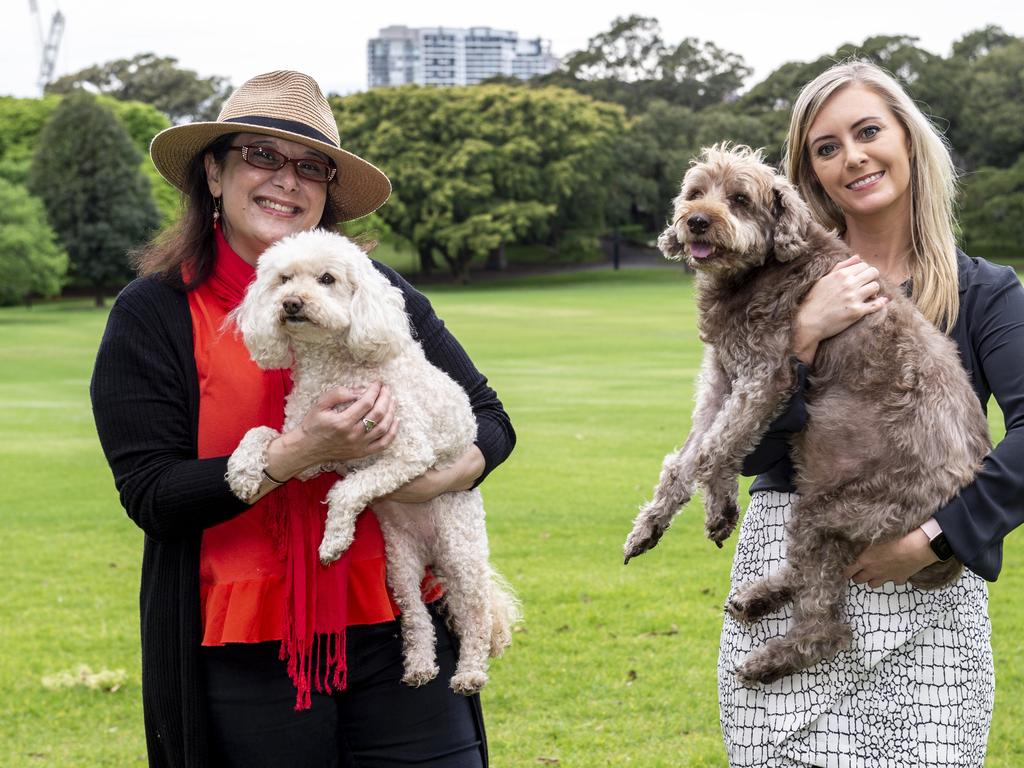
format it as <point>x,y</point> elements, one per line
<point>792,220</point>
<point>669,244</point>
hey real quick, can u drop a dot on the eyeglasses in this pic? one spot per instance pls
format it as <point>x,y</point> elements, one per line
<point>269,159</point>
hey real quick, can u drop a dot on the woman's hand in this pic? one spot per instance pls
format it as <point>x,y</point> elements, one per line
<point>328,434</point>
<point>460,476</point>
<point>895,560</point>
<point>834,303</point>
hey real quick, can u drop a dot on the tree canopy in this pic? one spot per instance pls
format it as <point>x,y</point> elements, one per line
<point>632,64</point>
<point>31,260</point>
<point>86,171</point>
<point>479,167</point>
<point>157,80</point>
<point>600,144</point>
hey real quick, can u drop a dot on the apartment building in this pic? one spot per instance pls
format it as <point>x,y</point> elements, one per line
<point>453,56</point>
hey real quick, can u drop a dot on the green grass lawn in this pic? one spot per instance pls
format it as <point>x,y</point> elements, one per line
<point>614,666</point>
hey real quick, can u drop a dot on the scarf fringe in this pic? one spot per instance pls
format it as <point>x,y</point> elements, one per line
<point>305,669</point>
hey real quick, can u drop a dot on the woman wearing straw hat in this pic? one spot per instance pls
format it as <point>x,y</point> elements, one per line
<point>253,654</point>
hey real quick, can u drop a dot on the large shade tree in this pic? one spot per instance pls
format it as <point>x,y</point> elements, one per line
<point>86,171</point>
<point>179,93</point>
<point>477,168</point>
<point>32,263</point>
<point>632,64</point>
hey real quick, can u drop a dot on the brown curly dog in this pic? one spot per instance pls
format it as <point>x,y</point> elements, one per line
<point>894,429</point>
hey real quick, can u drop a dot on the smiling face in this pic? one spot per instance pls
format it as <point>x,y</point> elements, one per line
<point>860,155</point>
<point>258,206</point>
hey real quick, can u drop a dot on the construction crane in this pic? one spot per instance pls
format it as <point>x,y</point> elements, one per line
<point>49,44</point>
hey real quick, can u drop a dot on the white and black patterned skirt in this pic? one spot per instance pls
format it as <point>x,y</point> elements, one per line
<point>915,689</point>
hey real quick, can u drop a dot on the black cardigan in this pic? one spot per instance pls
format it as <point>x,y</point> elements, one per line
<point>145,397</point>
<point>989,333</point>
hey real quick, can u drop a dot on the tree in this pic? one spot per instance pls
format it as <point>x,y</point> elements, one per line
<point>86,171</point>
<point>631,64</point>
<point>479,167</point>
<point>31,260</point>
<point>631,50</point>
<point>992,126</point>
<point>22,121</point>
<point>992,212</point>
<point>981,42</point>
<point>157,80</point>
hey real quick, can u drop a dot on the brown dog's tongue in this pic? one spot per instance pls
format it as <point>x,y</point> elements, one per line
<point>700,250</point>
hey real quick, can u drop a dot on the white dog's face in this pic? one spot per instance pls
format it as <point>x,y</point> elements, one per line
<point>315,287</point>
<point>309,286</point>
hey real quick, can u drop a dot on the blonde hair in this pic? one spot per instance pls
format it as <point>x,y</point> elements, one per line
<point>933,183</point>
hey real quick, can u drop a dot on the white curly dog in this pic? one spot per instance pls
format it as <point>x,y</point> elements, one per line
<point>319,306</point>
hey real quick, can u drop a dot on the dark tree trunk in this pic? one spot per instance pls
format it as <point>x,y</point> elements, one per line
<point>496,259</point>
<point>427,262</point>
<point>459,265</point>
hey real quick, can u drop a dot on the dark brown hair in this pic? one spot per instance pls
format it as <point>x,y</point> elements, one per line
<point>189,244</point>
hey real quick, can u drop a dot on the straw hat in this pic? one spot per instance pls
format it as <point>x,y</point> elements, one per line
<point>288,105</point>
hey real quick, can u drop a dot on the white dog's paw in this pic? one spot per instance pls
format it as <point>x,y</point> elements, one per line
<point>246,463</point>
<point>468,683</point>
<point>416,676</point>
<point>333,547</point>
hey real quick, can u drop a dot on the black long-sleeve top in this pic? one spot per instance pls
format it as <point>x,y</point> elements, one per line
<point>989,332</point>
<point>145,396</point>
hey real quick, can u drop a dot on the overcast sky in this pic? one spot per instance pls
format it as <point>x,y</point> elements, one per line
<point>328,40</point>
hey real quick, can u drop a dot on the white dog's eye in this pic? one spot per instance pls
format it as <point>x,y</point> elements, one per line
<point>285,278</point>
<point>325,279</point>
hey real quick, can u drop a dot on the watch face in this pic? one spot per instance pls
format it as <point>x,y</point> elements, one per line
<point>941,547</point>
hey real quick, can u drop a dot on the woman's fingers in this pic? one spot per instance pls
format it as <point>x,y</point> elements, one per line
<point>375,414</point>
<point>332,399</point>
<point>855,259</point>
<point>382,437</point>
<point>868,291</point>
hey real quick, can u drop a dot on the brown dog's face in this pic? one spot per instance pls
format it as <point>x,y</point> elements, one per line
<point>727,213</point>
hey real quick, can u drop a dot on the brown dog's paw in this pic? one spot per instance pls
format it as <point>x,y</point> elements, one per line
<point>754,601</point>
<point>650,525</point>
<point>720,523</point>
<point>765,665</point>
<point>669,245</point>
<point>641,539</point>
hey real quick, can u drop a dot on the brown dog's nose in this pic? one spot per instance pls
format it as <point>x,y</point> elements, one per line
<point>698,223</point>
<point>292,305</point>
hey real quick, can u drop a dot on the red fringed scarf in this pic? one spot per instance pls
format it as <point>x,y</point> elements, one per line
<point>245,560</point>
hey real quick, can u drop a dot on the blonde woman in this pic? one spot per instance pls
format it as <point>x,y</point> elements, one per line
<point>917,685</point>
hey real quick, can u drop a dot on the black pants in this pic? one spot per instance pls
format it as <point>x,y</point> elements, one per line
<point>376,722</point>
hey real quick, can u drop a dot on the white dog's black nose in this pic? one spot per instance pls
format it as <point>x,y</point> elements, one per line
<point>292,305</point>
<point>698,223</point>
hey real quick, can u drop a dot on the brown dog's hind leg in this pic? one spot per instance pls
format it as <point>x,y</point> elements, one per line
<point>759,598</point>
<point>818,631</point>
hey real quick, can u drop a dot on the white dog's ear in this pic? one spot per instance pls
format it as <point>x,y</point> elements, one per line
<point>378,325</point>
<point>258,320</point>
<point>792,220</point>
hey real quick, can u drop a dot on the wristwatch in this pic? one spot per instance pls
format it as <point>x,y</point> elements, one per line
<point>937,539</point>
